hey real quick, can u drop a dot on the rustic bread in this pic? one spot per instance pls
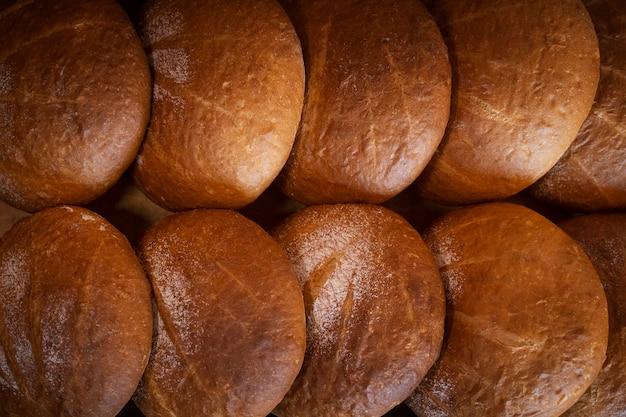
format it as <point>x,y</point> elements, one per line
<point>74,100</point>
<point>75,316</point>
<point>227,100</point>
<point>591,175</point>
<point>230,327</point>
<point>377,99</point>
<point>527,322</point>
<point>375,309</point>
<point>603,238</point>
<point>524,76</point>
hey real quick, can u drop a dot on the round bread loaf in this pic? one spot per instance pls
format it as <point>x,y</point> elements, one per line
<point>230,327</point>
<point>591,175</point>
<point>377,100</point>
<point>525,73</point>
<point>75,316</point>
<point>227,100</point>
<point>603,238</point>
<point>527,322</point>
<point>375,309</point>
<point>74,100</point>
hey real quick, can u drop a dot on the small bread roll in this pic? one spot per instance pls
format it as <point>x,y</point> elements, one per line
<point>375,309</point>
<point>377,102</point>
<point>527,322</point>
<point>230,328</point>
<point>74,100</point>
<point>603,238</point>
<point>227,100</point>
<point>525,73</point>
<point>75,316</point>
<point>591,175</point>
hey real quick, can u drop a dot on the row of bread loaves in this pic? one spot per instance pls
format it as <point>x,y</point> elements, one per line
<point>341,308</point>
<point>471,101</point>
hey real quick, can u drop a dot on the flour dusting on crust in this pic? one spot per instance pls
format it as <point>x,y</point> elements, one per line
<point>7,78</point>
<point>446,251</point>
<point>165,355</point>
<point>174,293</point>
<point>165,25</point>
<point>161,94</point>
<point>340,268</point>
<point>171,63</point>
<point>14,288</point>
<point>56,340</point>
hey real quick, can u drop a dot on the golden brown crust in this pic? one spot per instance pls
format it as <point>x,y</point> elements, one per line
<point>525,73</point>
<point>527,322</point>
<point>375,309</point>
<point>75,316</point>
<point>230,328</point>
<point>591,175</point>
<point>377,100</point>
<point>603,238</point>
<point>74,100</point>
<point>228,93</point>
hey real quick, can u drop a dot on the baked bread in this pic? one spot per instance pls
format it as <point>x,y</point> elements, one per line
<point>603,238</point>
<point>527,322</point>
<point>591,175</point>
<point>377,99</point>
<point>227,100</point>
<point>375,309</point>
<point>75,316</point>
<point>230,328</point>
<point>74,100</point>
<point>525,73</point>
